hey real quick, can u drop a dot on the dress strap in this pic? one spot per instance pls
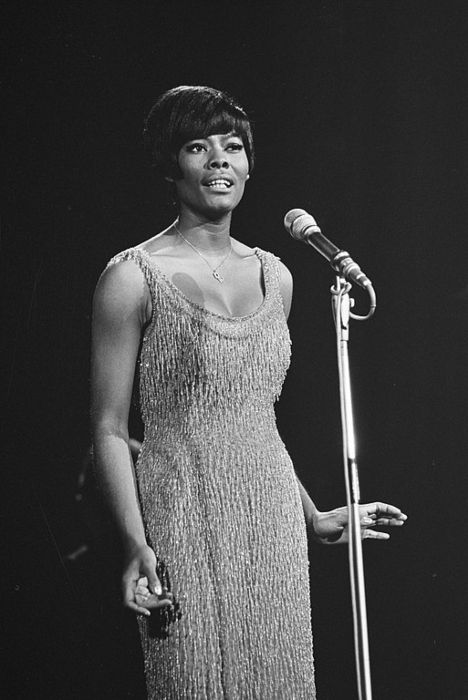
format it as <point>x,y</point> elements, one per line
<point>272,273</point>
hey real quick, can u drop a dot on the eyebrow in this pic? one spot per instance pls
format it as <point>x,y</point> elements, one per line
<point>226,136</point>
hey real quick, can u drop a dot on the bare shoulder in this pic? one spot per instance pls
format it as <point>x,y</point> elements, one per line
<point>162,243</point>
<point>121,289</point>
<point>286,276</point>
<point>241,249</point>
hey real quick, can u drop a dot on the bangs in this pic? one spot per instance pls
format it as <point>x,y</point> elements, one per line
<point>218,120</point>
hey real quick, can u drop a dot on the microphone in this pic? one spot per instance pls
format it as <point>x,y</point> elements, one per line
<point>303,227</point>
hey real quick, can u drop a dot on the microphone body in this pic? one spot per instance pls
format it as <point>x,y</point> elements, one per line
<point>303,227</point>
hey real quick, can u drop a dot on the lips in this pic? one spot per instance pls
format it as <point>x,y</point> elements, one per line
<point>219,182</point>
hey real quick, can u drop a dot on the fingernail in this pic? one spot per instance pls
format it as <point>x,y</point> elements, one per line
<point>367,521</point>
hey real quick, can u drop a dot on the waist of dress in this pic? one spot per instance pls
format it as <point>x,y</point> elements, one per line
<point>201,424</point>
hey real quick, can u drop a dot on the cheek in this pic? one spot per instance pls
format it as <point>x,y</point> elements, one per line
<point>245,169</point>
<point>240,192</point>
<point>188,179</point>
<point>185,171</point>
<point>187,168</point>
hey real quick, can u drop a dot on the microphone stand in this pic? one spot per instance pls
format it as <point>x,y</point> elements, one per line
<point>342,305</point>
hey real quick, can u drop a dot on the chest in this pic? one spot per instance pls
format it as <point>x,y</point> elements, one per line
<point>235,288</point>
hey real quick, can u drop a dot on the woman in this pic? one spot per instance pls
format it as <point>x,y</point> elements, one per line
<point>213,518</point>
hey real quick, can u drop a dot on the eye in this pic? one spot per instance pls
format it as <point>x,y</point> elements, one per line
<point>195,147</point>
<point>235,146</point>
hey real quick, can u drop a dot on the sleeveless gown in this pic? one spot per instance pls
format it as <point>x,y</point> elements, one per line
<point>220,501</point>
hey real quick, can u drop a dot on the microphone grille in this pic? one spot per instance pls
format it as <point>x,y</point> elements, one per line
<point>300,224</point>
<point>291,216</point>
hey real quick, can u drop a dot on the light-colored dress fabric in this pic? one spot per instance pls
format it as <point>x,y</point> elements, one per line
<point>220,500</point>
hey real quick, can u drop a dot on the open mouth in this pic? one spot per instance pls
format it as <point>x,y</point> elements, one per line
<point>219,184</point>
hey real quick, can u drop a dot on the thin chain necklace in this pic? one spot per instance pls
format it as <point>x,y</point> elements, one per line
<point>214,270</point>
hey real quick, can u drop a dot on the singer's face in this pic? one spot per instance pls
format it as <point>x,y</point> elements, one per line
<point>214,171</point>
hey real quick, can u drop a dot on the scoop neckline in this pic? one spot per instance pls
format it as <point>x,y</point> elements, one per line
<point>198,307</point>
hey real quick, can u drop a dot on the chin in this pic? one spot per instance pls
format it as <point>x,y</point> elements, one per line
<point>218,210</point>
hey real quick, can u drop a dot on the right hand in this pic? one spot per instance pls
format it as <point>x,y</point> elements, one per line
<point>141,587</point>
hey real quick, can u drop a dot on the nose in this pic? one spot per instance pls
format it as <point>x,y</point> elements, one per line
<point>218,159</point>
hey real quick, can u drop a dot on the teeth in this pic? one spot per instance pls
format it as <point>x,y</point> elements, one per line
<point>219,183</point>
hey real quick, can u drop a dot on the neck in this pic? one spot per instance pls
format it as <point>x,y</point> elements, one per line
<point>204,234</point>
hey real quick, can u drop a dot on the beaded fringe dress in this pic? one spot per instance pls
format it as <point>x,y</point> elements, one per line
<point>220,500</point>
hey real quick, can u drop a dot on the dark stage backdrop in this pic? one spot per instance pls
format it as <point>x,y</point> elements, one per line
<point>360,117</point>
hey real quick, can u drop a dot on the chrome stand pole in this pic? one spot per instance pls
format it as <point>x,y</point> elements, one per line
<point>342,313</point>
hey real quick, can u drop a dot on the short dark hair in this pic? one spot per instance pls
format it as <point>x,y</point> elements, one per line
<point>192,112</point>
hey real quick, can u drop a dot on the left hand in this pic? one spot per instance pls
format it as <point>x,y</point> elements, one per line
<point>148,600</point>
<point>331,527</point>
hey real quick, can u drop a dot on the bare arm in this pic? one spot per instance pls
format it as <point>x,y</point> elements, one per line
<point>120,310</point>
<point>286,288</point>
<point>308,506</point>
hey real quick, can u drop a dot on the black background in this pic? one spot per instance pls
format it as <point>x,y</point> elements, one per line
<point>359,111</point>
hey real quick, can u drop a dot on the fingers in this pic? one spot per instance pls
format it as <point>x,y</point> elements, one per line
<point>145,598</point>
<point>374,521</point>
<point>380,514</point>
<point>147,570</point>
<point>152,602</point>
<point>133,601</point>
<point>379,509</point>
<point>143,606</point>
<point>143,593</point>
<point>374,535</point>
<point>390,522</point>
<point>130,600</point>
<point>143,590</point>
<point>154,584</point>
<point>137,608</point>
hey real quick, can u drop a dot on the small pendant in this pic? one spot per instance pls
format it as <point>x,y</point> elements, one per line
<point>217,276</point>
